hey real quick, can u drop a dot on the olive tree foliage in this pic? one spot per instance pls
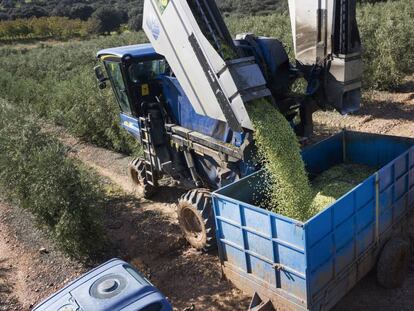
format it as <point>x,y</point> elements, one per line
<point>73,10</point>
<point>4,16</point>
<point>135,19</point>
<point>29,11</point>
<point>387,31</point>
<point>59,28</point>
<point>387,34</point>
<point>37,175</point>
<point>107,19</point>
<point>76,101</point>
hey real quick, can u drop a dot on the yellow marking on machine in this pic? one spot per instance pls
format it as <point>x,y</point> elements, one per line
<point>145,90</point>
<point>128,124</point>
<point>162,5</point>
<point>109,56</point>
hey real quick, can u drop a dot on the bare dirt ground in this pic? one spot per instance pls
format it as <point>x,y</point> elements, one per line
<point>30,266</point>
<point>146,233</point>
<point>382,113</point>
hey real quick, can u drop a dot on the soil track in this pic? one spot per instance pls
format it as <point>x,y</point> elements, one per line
<point>146,233</point>
<point>30,266</point>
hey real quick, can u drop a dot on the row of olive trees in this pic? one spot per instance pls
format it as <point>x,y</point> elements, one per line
<point>37,175</point>
<point>103,21</point>
<point>387,31</point>
<point>44,27</point>
<point>73,9</point>
<point>58,82</point>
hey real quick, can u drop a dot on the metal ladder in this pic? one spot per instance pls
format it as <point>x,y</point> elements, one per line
<point>149,156</point>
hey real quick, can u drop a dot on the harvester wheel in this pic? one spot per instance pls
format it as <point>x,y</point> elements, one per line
<point>393,263</point>
<point>196,219</point>
<point>136,171</point>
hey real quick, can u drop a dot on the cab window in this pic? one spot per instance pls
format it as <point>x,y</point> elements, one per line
<point>115,75</point>
<point>142,72</point>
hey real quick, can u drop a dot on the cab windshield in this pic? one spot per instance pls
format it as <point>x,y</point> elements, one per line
<point>115,75</point>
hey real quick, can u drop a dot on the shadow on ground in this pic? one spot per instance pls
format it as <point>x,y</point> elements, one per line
<point>406,87</point>
<point>168,194</point>
<point>153,243</point>
<point>389,111</point>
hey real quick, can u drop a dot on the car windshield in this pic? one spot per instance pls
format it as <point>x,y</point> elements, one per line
<point>116,77</point>
<point>142,72</point>
<point>140,279</point>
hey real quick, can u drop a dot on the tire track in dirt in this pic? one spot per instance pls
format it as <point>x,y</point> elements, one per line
<point>113,166</point>
<point>16,262</point>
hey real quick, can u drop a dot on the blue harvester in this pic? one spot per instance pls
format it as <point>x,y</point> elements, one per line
<point>185,100</point>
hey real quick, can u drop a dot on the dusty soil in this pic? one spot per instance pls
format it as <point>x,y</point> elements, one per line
<point>146,233</point>
<point>30,266</point>
<point>382,113</point>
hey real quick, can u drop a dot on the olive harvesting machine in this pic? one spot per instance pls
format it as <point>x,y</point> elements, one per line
<point>185,100</point>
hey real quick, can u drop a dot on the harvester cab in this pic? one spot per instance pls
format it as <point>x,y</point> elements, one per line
<point>133,72</point>
<point>184,95</point>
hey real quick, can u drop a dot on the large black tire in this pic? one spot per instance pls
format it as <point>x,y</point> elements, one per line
<point>136,172</point>
<point>393,263</point>
<point>196,219</point>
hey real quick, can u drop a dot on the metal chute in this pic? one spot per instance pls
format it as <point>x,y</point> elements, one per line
<point>216,88</point>
<point>325,34</point>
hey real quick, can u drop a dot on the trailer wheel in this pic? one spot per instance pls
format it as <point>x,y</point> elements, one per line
<point>393,263</point>
<point>196,219</point>
<point>136,172</point>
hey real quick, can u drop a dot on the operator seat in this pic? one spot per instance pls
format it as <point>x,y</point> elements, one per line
<point>146,84</point>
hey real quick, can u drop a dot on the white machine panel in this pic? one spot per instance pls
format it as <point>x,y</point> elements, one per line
<point>312,29</point>
<point>169,25</point>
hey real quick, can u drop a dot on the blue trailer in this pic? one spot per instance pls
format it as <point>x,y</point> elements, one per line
<point>312,265</point>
